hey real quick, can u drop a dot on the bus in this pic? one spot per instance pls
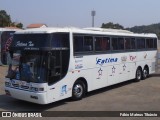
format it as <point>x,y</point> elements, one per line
<point>6,35</point>
<point>51,64</point>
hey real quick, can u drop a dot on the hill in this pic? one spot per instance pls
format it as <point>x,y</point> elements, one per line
<point>153,28</point>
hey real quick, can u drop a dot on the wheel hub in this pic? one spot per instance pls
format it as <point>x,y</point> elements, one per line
<point>78,90</point>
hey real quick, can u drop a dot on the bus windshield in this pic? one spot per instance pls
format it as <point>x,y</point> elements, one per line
<point>39,58</point>
<point>29,66</point>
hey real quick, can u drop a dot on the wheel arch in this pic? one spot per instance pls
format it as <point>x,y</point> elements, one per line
<point>84,81</point>
<point>139,67</point>
<point>147,67</point>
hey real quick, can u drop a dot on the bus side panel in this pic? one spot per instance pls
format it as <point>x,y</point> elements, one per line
<point>151,61</point>
<point>132,58</point>
<point>119,68</point>
<point>147,58</point>
<point>100,71</point>
<point>62,89</point>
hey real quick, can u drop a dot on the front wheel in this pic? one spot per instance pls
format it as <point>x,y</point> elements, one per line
<point>78,90</point>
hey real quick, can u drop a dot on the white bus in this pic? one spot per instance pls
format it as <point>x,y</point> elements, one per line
<point>51,64</point>
<point>6,35</point>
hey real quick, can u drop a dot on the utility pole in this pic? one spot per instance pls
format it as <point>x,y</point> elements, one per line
<point>93,13</point>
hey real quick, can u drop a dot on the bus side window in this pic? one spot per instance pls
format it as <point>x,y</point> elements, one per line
<point>133,43</point>
<point>140,43</point>
<point>120,43</point>
<point>98,43</point>
<point>106,43</point>
<point>149,43</point>
<point>83,43</point>
<point>88,43</point>
<point>127,43</point>
<point>114,43</point>
<point>78,43</point>
<point>155,43</point>
<point>130,43</point>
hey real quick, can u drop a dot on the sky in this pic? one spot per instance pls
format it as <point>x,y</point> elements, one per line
<point>77,13</point>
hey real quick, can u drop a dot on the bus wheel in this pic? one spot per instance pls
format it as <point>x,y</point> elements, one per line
<point>78,90</point>
<point>145,73</point>
<point>138,75</point>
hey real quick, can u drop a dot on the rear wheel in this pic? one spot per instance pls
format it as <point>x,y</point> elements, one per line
<point>138,75</point>
<point>145,73</point>
<point>78,90</point>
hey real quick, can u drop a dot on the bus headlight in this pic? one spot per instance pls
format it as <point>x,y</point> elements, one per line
<point>33,89</point>
<point>7,84</point>
<point>36,89</point>
<point>41,89</point>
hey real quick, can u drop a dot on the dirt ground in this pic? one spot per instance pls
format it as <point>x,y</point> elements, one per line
<point>3,72</point>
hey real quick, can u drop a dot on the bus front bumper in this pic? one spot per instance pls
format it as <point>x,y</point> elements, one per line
<point>39,98</point>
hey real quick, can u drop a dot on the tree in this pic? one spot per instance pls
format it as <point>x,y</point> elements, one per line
<point>112,26</point>
<point>5,19</point>
<point>19,25</point>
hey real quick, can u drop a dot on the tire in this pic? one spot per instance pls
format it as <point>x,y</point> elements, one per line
<point>145,73</point>
<point>139,75</point>
<point>78,90</point>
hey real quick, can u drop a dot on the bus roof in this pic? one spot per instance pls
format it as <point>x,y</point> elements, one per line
<point>96,31</point>
<point>9,29</point>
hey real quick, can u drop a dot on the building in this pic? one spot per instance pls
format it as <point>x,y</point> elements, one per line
<point>36,26</point>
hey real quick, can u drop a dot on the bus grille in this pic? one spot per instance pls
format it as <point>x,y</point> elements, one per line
<point>15,85</point>
<point>24,87</point>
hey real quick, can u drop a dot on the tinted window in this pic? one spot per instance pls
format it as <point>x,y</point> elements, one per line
<point>78,43</point>
<point>127,43</point>
<point>155,43</point>
<point>149,43</point>
<point>130,43</point>
<point>83,43</point>
<point>133,43</point>
<point>121,43</point>
<point>140,43</point>
<point>117,43</point>
<point>60,40</point>
<point>31,40</point>
<point>88,43</point>
<point>102,43</point>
